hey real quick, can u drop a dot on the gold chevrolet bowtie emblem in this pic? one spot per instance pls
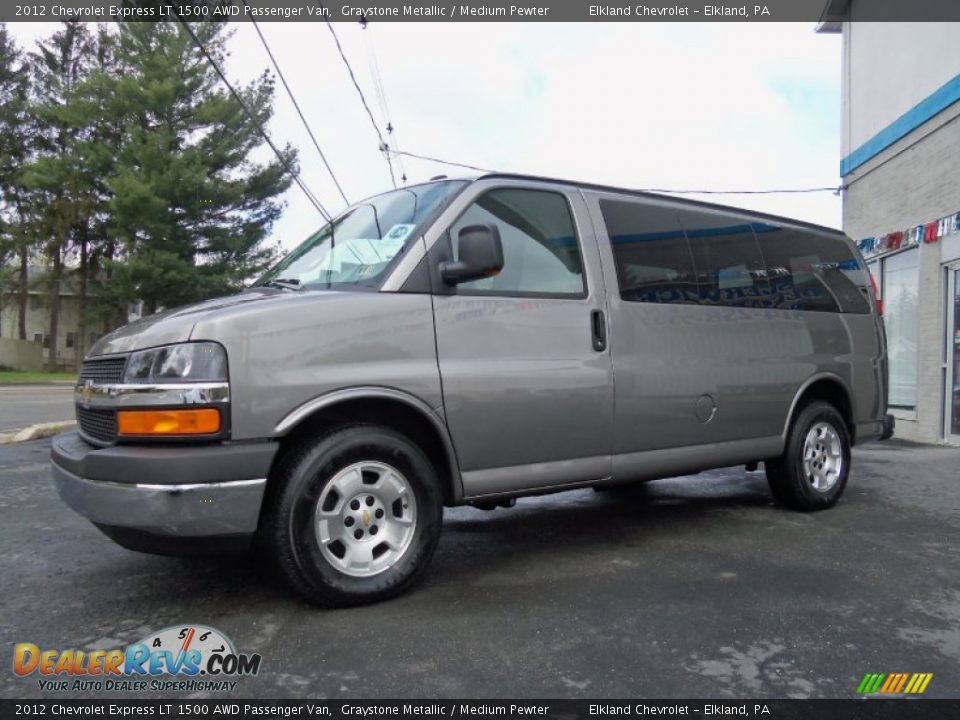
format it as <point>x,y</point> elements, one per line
<point>366,518</point>
<point>87,393</point>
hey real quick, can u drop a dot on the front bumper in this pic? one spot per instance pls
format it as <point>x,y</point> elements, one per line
<point>198,491</point>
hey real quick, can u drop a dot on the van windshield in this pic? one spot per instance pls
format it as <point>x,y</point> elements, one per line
<point>355,248</point>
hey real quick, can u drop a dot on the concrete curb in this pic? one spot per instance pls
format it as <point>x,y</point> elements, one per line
<point>38,431</point>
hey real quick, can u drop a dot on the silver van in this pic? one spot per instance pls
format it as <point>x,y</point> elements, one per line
<point>468,342</point>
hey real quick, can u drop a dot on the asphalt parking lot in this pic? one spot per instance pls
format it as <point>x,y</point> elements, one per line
<point>697,587</point>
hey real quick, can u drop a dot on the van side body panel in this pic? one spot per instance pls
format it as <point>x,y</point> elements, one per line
<point>286,354</point>
<point>700,386</point>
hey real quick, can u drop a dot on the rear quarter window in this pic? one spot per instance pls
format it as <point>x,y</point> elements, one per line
<point>813,272</point>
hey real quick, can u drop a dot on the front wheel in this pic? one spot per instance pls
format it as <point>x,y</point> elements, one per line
<point>355,516</point>
<point>812,472</point>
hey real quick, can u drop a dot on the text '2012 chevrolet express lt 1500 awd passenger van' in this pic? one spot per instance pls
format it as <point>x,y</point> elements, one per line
<point>468,342</point>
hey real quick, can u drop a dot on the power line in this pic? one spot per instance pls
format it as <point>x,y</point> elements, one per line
<point>833,189</point>
<point>442,162</point>
<point>296,105</point>
<point>384,147</point>
<point>262,132</point>
<point>381,93</point>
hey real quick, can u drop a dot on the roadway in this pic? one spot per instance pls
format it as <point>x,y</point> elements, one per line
<point>24,405</point>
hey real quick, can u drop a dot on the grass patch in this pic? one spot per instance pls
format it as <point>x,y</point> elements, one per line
<point>8,377</point>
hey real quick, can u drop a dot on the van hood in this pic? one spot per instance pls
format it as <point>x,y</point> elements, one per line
<point>176,325</point>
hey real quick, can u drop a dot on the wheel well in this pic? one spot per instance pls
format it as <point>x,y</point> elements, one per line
<point>395,414</point>
<point>833,392</point>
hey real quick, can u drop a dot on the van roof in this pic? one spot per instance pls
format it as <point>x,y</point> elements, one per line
<point>660,196</point>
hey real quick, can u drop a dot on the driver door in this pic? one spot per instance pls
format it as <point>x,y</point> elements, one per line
<point>527,386</point>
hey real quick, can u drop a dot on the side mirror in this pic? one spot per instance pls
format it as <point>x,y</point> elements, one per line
<point>481,255</point>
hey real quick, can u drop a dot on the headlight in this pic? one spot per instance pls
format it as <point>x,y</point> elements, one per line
<point>187,362</point>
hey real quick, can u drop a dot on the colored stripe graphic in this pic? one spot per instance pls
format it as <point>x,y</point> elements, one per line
<point>894,683</point>
<point>901,681</point>
<point>927,677</point>
<point>870,683</point>
<point>942,98</point>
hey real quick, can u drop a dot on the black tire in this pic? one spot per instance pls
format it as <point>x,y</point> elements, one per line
<point>288,530</point>
<point>788,479</point>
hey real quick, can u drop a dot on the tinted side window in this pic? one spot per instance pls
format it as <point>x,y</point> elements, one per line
<point>540,249</point>
<point>813,272</point>
<point>726,258</point>
<point>650,251</point>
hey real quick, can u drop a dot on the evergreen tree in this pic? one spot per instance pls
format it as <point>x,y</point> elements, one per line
<point>136,163</point>
<point>190,206</point>
<point>98,133</point>
<point>58,179</point>
<point>14,242</point>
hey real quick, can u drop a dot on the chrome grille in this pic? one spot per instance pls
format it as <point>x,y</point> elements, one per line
<point>108,370</point>
<point>97,423</point>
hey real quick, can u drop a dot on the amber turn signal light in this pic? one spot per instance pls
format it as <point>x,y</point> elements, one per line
<point>205,421</point>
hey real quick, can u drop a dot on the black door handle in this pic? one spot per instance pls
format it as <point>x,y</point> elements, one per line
<point>598,327</point>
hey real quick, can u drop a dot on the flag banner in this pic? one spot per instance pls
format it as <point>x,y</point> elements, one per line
<point>929,232</point>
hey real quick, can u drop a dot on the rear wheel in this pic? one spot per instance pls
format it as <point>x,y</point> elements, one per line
<point>812,472</point>
<point>356,516</point>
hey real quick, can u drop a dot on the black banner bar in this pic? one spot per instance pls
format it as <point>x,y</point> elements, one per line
<point>828,11</point>
<point>863,709</point>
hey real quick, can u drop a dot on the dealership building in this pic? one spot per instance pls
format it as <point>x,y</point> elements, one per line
<point>901,202</point>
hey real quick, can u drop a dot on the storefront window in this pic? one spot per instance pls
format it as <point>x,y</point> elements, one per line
<point>899,277</point>
<point>954,351</point>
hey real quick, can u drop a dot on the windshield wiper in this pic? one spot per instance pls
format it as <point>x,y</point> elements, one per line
<point>282,283</point>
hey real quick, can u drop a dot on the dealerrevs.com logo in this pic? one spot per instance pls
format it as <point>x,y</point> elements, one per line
<point>183,658</point>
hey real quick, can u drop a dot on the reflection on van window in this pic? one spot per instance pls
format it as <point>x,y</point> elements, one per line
<point>356,247</point>
<point>651,254</point>
<point>813,272</point>
<point>540,250</point>
<point>726,258</point>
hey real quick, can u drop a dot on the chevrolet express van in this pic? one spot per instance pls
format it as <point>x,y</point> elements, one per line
<point>469,342</point>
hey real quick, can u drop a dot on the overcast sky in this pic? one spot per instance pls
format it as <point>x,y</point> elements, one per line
<point>642,105</point>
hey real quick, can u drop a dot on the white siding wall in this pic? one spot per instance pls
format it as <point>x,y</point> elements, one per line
<point>889,68</point>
